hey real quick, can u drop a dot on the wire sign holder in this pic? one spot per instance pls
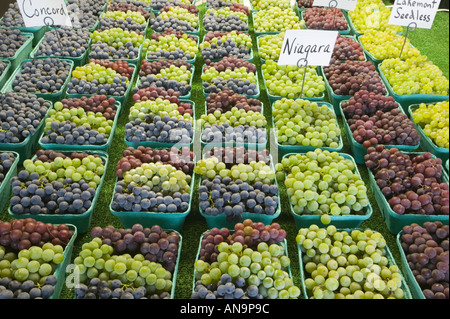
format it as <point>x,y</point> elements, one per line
<point>301,66</point>
<point>411,27</point>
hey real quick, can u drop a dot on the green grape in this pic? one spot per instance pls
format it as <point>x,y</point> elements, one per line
<point>276,20</point>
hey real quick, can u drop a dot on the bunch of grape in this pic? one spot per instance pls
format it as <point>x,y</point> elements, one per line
<point>373,15</point>
<point>14,289</point>
<point>347,48</point>
<point>130,21</point>
<point>411,184</point>
<point>177,18</point>
<point>222,3</point>
<point>182,159</point>
<point>242,188</point>
<point>152,93</point>
<point>236,74</point>
<point>287,80</point>
<point>227,99</point>
<point>96,104</point>
<point>384,45</point>
<point>349,77</point>
<point>143,4</point>
<point>227,19</point>
<point>305,123</point>
<point>166,74</point>
<point>117,43</point>
<point>10,42</point>
<point>43,76</point>
<point>218,45</point>
<point>318,18</point>
<point>172,45</point>
<point>426,250</point>
<point>153,243</point>
<point>350,264</point>
<point>7,159</point>
<point>238,154</point>
<point>268,4</point>
<point>416,75</point>
<point>270,46</point>
<point>323,183</point>
<point>98,262</point>
<point>56,185</point>
<point>20,116</point>
<point>12,17</point>
<point>160,121</point>
<point>157,5</point>
<point>303,4</point>
<point>84,14</point>
<point>433,119</point>
<point>78,126</point>
<point>130,6</point>
<point>234,117</point>
<point>377,119</point>
<point>64,42</point>
<point>276,20</point>
<point>101,77</point>
<point>231,269</point>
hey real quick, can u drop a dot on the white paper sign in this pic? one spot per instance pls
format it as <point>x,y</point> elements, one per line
<point>421,12</point>
<point>38,13</point>
<point>340,4</point>
<point>316,46</point>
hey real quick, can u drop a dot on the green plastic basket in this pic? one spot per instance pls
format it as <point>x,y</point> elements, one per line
<point>216,60</point>
<point>405,287</point>
<point>122,99</point>
<point>5,186</point>
<point>254,12</point>
<point>342,32</point>
<point>60,271</point>
<point>148,219</point>
<point>396,222</point>
<point>191,61</point>
<point>53,97</point>
<point>77,61</point>
<point>22,53</point>
<point>426,143</point>
<point>220,221</point>
<point>168,145</point>
<point>81,221</point>
<point>413,285</point>
<point>407,100</point>
<point>83,148</point>
<point>184,97</point>
<point>27,147</point>
<point>343,221</point>
<point>359,151</point>
<point>4,77</point>
<point>337,99</point>
<point>286,149</point>
<point>38,32</point>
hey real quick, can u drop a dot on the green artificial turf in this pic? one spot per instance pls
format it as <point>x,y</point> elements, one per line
<point>434,43</point>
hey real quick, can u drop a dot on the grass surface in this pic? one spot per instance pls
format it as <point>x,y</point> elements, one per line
<point>433,42</point>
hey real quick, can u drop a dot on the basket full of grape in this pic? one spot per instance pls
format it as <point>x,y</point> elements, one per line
<point>8,168</point>
<point>18,47</point>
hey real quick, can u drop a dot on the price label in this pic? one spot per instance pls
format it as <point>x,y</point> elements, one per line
<point>349,5</point>
<point>38,13</point>
<point>420,12</point>
<point>314,46</point>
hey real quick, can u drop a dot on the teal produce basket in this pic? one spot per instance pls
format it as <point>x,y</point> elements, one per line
<point>191,61</point>
<point>38,32</point>
<point>341,32</point>
<point>359,151</point>
<point>258,33</point>
<point>220,221</point>
<point>407,100</point>
<point>396,222</point>
<point>303,274</point>
<point>53,97</point>
<point>122,99</point>
<point>148,219</point>
<point>22,53</point>
<point>77,61</point>
<point>426,143</point>
<point>286,149</point>
<point>250,59</point>
<point>343,221</point>
<point>258,38</point>
<point>60,271</point>
<point>4,77</point>
<point>168,145</point>
<point>5,186</point>
<point>81,221</point>
<point>83,148</point>
<point>337,99</point>
<point>26,148</point>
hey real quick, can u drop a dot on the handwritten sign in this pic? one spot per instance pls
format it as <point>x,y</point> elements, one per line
<point>420,12</point>
<point>315,46</point>
<point>38,13</point>
<point>340,4</point>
